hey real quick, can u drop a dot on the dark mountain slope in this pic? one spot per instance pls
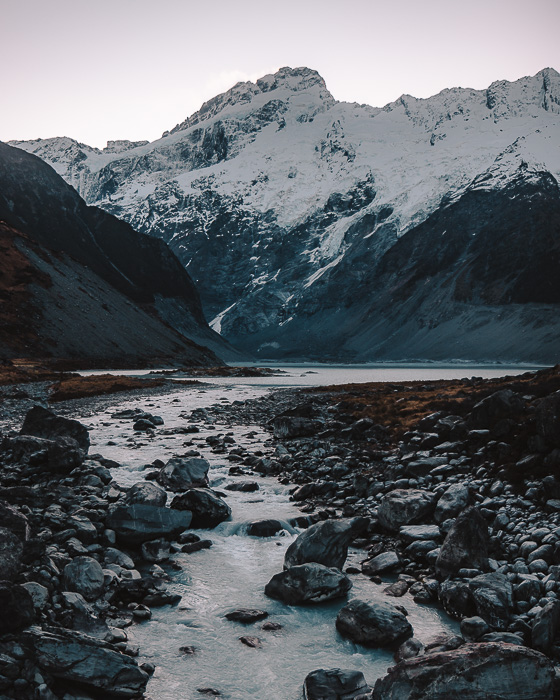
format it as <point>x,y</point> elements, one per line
<point>479,279</point>
<point>86,284</point>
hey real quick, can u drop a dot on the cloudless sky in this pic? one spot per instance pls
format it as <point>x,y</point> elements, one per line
<point>130,69</point>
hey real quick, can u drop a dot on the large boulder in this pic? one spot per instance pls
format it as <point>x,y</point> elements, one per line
<point>334,684</point>
<point>466,544</point>
<point>17,608</point>
<point>64,454</point>
<point>207,508</point>
<point>184,473</point>
<point>325,543</point>
<point>404,507</point>
<point>493,598</point>
<point>11,550</point>
<point>545,627</point>
<point>147,493</point>
<point>84,575</point>
<point>452,502</point>
<point>139,523</point>
<point>308,583</point>
<point>502,404</point>
<point>548,418</point>
<point>493,671</point>
<point>376,624</point>
<point>42,423</point>
<point>79,658</point>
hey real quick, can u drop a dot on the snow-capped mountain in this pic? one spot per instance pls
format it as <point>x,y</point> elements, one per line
<point>295,214</point>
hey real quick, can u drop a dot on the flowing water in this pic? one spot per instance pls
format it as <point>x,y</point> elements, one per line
<point>234,571</point>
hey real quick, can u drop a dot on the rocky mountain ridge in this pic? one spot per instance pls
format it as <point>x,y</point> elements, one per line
<point>282,203</point>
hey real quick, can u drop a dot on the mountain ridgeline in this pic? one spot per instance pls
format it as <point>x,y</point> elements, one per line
<point>317,229</point>
<point>79,283</point>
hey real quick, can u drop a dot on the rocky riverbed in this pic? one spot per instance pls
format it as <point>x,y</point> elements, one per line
<point>446,491</point>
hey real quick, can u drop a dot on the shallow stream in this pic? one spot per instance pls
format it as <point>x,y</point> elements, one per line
<point>234,571</point>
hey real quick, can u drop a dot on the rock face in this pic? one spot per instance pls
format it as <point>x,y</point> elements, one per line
<point>207,508</point>
<point>334,684</point>
<point>404,507</point>
<point>325,543</point>
<point>42,423</point>
<point>76,657</point>
<point>376,624</point>
<point>474,671</point>
<point>308,583</point>
<point>84,575</point>
<point>355,263</point>
<point>184,473</point>
<point>466,544</point>
<point>139,523</point>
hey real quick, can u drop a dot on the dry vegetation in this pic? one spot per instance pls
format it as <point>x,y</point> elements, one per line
<point>401,406</point>
<point>76,387</point>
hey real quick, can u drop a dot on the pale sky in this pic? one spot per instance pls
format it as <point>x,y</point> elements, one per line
<point>131,69</point>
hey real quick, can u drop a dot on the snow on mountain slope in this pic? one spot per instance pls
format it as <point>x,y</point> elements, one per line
<point>273,188</point>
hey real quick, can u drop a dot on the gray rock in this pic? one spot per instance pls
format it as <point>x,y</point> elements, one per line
<point>308,584</point>
<point>404,507</point>
<point>184,473</point>
<point>502,404</point>
<point>386,561</point>
<point>84,575</point>
<point>334,684</point>
<point>452,502</point>
<point>294,426</point>
<point>17,608</point>
<point>147,493</point>
<point>243,486</point>
<point>466,544</point>
<point>207,508</point>
<point>548,418</point>
<point>139,523</point>
<point>493,598</point>
<point>82,659</point>
<point>376,624</point>
<point>545,627</point>
<point>246,615</point>
<point>155,550</point>
<point>11,551</point>
<point>411,533</point>
<point>38,593</point>
<point>42,423</point>
<point>474,671</point>
<point>64,454</point>
<point>13,520</point>
<point>457,599</point>
<point>473,628</point>
<point>325,543</point>
<point>264,528</point>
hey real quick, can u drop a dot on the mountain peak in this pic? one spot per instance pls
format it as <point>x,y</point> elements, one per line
<point>286,81</point>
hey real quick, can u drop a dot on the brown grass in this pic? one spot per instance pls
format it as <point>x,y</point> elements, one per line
<point>400,406</point>
<point>76,387</point>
